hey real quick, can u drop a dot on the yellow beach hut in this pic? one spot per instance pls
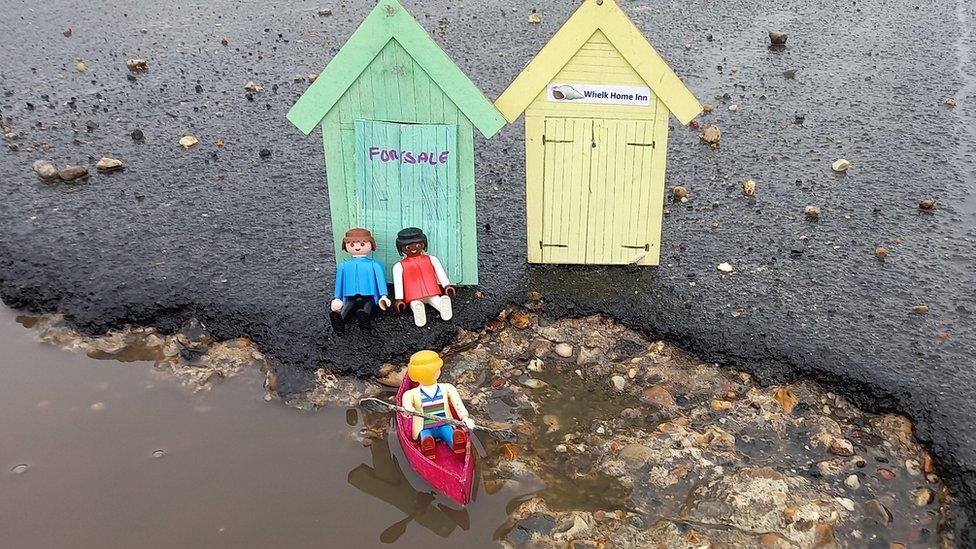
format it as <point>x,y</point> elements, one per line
<point>596,100</point>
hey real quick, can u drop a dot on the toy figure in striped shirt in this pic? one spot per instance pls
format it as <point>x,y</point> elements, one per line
<point>438,399</point>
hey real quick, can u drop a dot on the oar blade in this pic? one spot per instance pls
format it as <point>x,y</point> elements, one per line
<point>374,405</point>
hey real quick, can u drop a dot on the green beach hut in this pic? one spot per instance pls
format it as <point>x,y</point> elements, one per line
<point>398,120</point>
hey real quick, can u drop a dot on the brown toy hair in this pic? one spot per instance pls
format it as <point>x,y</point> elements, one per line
<point>358,235</point>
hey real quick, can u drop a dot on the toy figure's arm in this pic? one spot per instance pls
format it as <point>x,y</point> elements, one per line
<point>338,282</point>
<point>398,287</point>
<point>454,398</point>
<point>381,285</point>
<point>442,276</point>
<point>409,403</point>
<point>337,300</point>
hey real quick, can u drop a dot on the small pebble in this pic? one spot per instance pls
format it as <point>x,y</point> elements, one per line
<point>45,169</point>
<point>564,350</point>
<point>927,204</point>
<point>777,38</point>
<point>19,469</point>
<point>71,173</point>
<point>880,252</point>
<point>852,482</point>
<point>679,192</point>
<point>264,153</point>
<point>812,212</point>
<point>846,503</point>
<point>841,447</point>
<point>841,165</point>
<point>618,382</point>
<point>137,135</point>
<point>724,267</point>
<point>922,496</point>
<point>533,383</point>
<point>876,510</point>
<point>710,134</point>
<point>106,164</point>
<point>749,187</point>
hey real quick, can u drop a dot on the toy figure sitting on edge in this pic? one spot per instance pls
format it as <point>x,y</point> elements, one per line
<point>418,278</point>
<point>360,283</point>
<point>439,399</point>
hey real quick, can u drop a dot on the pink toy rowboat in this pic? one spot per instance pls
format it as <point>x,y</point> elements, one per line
<point>449,474</point>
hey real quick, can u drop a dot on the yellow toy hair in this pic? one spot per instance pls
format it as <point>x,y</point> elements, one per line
<point>424,367</point>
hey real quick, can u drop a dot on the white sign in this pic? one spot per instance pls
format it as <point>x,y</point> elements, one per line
<point>606,94</point>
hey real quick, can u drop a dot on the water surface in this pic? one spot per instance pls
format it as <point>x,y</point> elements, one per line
<point>101,453</point>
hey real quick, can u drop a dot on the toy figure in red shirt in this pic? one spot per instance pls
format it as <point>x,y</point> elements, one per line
<point>419,279</point>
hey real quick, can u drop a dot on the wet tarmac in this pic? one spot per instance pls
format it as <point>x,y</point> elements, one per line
<point>241,241</point>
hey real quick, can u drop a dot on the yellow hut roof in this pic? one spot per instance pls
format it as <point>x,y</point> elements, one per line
<point>593,16</point>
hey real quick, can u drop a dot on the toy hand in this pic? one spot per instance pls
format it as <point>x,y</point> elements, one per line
<point>449,290</point>
<point>384,303</point>
<point>469,423</point>
<point>337,305</point>
<point>399,305</point>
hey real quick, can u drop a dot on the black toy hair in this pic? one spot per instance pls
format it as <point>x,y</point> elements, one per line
<point>410,235</point>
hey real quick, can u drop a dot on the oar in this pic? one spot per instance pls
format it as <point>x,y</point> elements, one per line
<point>377,405</point>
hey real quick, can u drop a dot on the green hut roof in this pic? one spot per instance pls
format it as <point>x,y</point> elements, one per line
<point>390,21</point>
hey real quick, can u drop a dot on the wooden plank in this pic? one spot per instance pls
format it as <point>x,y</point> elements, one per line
<point>577,194</point>
<point>468,238</point>
<point>335,174</point>
<point>534,191</point>
<point>627,212</point>
<point>655,207</point>
<point>597,211</point>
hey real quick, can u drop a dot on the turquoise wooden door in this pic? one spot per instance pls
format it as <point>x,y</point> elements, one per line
<point>407,176</point>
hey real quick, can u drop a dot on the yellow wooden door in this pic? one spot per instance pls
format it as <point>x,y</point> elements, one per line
<point>620,191</point>
<point>565,189</point>
<point>597,191</point>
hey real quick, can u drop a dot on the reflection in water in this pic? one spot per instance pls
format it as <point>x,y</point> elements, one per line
<point>385,480</point>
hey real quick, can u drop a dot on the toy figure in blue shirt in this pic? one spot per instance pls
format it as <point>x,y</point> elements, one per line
<point>360,283</point>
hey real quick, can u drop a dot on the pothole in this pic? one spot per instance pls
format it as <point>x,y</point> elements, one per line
<point>639,443</point>
<point>625,441</point>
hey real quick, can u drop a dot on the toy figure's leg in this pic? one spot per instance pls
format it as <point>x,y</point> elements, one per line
<point>460,443</point>
<point>339,319</point>
<point>428,446</point>
<point>338,325</point>
<point>446,433</point>
<point>419,312</point>
<point>364,317</point>
<point>443,305</point>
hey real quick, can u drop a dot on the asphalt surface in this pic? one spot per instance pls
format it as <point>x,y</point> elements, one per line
<point>242,242</point>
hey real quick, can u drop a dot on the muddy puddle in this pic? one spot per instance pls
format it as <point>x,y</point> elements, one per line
<point>137,438</point>
<point>101,453</point>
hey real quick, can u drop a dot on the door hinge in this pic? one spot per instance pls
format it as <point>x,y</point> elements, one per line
<point>645,247</point>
